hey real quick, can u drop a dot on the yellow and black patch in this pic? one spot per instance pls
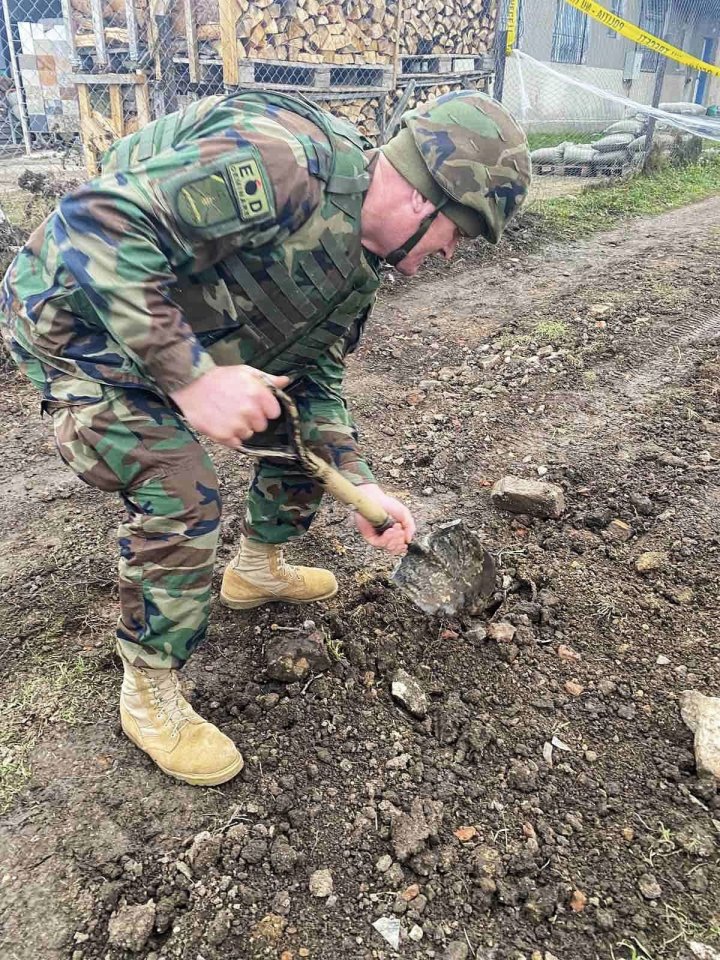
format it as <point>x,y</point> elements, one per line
<point>206,201</point>
<point>253,198</point>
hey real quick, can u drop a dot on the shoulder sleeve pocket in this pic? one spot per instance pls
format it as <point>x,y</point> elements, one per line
<point>227,195</point>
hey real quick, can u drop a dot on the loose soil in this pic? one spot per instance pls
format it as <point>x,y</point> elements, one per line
<point>561,753</point>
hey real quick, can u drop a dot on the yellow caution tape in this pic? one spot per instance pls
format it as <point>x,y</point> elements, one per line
<point>634,33</point>
<point>512,25</point>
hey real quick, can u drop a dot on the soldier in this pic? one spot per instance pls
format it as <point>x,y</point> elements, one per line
<point>243,234</point>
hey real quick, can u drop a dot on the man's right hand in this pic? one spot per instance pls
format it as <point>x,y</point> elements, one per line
<point>229,404</point>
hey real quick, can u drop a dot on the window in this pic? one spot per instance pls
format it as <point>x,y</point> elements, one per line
<point>618,8</point>
<point>652,19</point>
<point>570,34</point>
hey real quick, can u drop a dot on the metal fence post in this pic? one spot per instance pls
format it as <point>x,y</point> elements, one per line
<point>16,78</point>
<point>657,92</point>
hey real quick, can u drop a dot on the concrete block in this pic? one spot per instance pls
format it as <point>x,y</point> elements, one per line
<point>533,497</point>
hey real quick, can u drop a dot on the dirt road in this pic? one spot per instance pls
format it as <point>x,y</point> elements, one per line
<point>547,804</point>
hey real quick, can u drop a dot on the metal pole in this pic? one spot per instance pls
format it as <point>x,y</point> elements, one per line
<point>500,61</point>
<point>16,78</point>
<point>657,92</point>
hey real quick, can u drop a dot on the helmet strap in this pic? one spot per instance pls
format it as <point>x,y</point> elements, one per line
<point>398,255</point>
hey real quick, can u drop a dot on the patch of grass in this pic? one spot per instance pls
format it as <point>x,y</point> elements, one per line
<point>571,217</point>
<point>537,140</point>
<point>552,332</point>
<point>58,692</point>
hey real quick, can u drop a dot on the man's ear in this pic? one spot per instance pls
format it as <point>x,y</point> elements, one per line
<point>420,205</point>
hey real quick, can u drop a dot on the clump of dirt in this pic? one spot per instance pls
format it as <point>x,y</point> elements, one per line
<point>40,183</point>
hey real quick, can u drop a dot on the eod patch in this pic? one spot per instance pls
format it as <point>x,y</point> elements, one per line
<point>216,198</point>
<point>249,188</point>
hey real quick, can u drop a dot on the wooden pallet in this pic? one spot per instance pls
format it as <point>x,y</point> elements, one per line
<point>421,65</point>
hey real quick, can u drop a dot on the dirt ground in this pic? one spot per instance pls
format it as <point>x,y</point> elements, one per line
<point>547,803</point>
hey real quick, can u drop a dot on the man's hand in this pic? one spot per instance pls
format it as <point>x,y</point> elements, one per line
<point>229,404</point>
<point>396,539</point>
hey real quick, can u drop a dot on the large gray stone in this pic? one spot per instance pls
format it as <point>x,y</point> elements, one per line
<point>533,497</point>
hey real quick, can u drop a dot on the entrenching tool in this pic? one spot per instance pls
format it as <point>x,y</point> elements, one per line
<point>442,572</point>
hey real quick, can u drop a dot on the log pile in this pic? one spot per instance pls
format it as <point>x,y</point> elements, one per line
<point>362,113</point>
<point>448,26</point>
<point>313,31</point>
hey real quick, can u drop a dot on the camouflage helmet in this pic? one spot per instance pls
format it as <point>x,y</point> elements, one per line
<point>466,153</point>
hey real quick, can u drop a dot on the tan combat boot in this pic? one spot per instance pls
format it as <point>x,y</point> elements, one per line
<point>158,719</point>
<point>259,574</point>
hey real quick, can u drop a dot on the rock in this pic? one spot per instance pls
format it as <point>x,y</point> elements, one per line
<point>643,505</point>
<point>219,927</point>
<point>702,715</point>
<point>456,950</point>
<point>702,951</point>
<point>269,929</point>
<point>574,688</point>
<point>464,834</point>
<point>410,893</point>
<point>532,497</point>
<point>522,776</point>
<point>204,852</point>
<point>130,927</point>
<point>384,863</point>
<point>662,660</point>
<point>619,531</point>
<point>598,519</point>
<point>321,883</point>
<point>567,653</point>
<point>416,933</point>
<point>605,919</point>
<point>651,561</point>
<point>281,903</point>
<point>502,632</point>
<point>409,693</point>
<point>295,656</point>
<point>254,850</point>
<point>389,930</point>
<point>282,856</point>
<point>409,831</point>
<point>649,887</point>
<point>578,901</point>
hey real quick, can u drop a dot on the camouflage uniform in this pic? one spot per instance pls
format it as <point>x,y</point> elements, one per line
<point>226,234</point>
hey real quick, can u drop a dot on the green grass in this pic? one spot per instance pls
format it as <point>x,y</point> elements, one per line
<point>537,140</point>
<point>59,692</point>
<point>575,216</point>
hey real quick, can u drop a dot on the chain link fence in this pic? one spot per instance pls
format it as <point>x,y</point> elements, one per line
<point>598,105</point>
<point>77,74</point>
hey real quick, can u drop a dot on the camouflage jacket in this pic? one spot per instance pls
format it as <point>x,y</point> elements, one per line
<point>166,264</point>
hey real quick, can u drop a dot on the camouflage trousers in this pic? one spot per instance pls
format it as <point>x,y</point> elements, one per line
<point>132,444</point>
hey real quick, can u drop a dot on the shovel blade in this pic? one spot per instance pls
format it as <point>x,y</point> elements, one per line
<point>447,571</point>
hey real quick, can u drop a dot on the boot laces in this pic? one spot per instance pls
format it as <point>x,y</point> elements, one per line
<point>286,570</point>
<point>169,702</point>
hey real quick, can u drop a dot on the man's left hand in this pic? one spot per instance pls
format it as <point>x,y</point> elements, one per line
<point>396,539</point>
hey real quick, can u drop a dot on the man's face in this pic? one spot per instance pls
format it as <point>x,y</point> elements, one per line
<point>441,239</point>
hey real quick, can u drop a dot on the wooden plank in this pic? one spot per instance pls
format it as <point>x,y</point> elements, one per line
<point>98,30</point>
<point>142,100</point>
<point>132,28</point>
<point>117,34</point>
<point>67,17</point>
<point>192,46</point>
<point>229,16</point>
<point>106,79</point>
<point>85,110</point>
<point>117,119</point>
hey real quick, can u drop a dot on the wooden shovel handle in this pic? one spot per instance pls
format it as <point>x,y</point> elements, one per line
<point>348,493</point>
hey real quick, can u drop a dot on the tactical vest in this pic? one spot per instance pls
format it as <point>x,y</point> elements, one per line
<point>284,305</point>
